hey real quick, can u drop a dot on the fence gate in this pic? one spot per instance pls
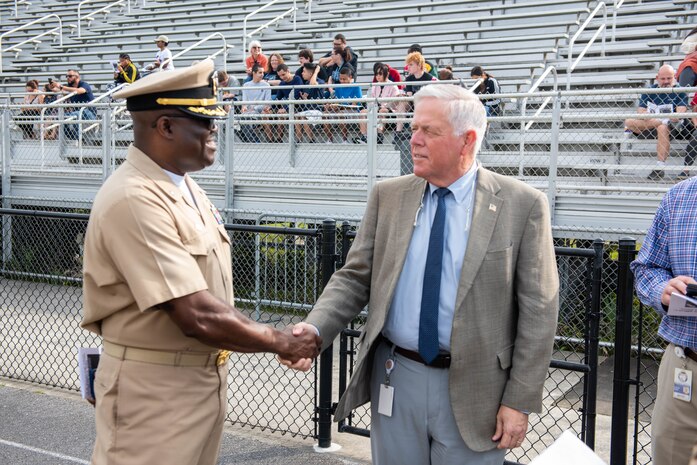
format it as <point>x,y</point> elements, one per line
<point>571,385</point>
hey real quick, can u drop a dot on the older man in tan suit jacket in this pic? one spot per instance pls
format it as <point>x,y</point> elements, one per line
<point>497,308</point>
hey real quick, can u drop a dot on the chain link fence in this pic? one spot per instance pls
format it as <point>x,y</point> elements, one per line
<point>276,279</point>
<point>321,156</point>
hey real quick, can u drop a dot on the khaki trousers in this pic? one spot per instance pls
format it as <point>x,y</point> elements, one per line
<point>673,422</point>
<point>148,414</point>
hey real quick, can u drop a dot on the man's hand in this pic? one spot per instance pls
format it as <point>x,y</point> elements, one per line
<point>303,364</point>
<point>511,426</point>
<point>677,284</point>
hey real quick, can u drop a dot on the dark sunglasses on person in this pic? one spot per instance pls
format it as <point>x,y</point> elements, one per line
<point>208,123</point>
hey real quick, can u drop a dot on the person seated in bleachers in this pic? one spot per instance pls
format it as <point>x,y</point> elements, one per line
<point>271,73</point>
<point>306,56</point>
<point>341,59</point>
<point>256,90</point>
<point>310,111</point>
<point>225,80</point>
<point>52,93</point>
<point>163,57</point>
<point>83,94</point>
<point>256,57</point>
<point>446,74</point>
<point>275,133</point>
<point>343,107</point>
<point>663,129</point>
<point>687,71</point>
<point>126,72</point>
<point>388,90</point>
<point>394,74</point>
<point>691,151</point>
<point>32,97</point>
<point>429,67</point>
<point>489,85</point>
<point>340,43</point>
<point>415,63</point>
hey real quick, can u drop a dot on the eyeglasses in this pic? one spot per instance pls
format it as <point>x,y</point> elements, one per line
<point>337,44</point>
<point>208,123</point>
<point>71,75</point>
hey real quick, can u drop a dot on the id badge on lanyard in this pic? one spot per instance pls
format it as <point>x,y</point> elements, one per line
<point>386,391</point>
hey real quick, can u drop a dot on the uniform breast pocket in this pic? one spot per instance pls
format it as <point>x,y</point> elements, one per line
<point>200,245</point>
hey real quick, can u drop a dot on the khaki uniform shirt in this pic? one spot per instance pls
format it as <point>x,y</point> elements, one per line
<point>145,245</point>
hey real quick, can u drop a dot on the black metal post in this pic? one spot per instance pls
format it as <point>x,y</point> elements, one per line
<point>590,412</point>
<point>324,409</point>
<point>623,347</point>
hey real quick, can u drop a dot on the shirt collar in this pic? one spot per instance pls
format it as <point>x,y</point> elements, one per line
<point>462,186</point>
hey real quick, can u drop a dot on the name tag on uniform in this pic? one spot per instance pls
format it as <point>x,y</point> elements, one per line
<point>682,385</point>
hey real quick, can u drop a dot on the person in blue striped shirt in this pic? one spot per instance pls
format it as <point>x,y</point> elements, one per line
<point>667,263</point>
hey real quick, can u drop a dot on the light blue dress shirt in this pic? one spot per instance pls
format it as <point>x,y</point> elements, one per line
<point>402,325</point>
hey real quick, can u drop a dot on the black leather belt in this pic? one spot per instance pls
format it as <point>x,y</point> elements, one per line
<point>689,353</point>
<point>442,360</point>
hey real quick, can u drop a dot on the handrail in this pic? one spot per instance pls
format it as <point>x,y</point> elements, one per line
<point>17,3</point>
<point>601,29</point>
<point>103,9</point>
<point>98,99</point>
<point>524,127</point>
<point>205,39</point>
<point>617,5</point>
<point>264,26</point>
<point>308,7</point>
<point>476,83</point>
<point>41,123</point>
<point>32,39</point>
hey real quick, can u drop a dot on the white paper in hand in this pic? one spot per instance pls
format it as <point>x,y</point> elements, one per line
<point>569,450</point>
<point>682,305</point>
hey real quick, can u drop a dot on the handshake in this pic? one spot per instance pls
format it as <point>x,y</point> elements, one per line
<point>301,347</point>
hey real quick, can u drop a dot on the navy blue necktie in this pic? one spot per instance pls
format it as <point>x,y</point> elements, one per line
<point>430,297</point>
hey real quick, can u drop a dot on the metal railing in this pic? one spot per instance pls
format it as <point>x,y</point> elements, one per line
<point>223,50</point>
<point>525,125</point>
<point>293,10</point>
<point>56,31</point>
<point>105,9</point>
<point>616,7</point>
<point>45,128</point>
<point>601,30</point>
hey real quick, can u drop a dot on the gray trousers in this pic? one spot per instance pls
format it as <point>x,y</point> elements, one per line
<point>422,428</point>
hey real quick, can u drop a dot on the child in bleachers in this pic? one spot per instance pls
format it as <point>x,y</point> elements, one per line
<point>346,76</point>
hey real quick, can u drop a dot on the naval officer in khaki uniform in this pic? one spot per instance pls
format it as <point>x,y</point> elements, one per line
<point>158,285</point>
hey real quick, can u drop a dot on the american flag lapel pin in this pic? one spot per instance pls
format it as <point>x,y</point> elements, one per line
<point>492,207</point>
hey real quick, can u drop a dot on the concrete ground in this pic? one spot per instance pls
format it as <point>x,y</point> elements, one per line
<point>42,426</point>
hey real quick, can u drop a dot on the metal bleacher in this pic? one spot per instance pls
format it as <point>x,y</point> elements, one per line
<point>514,40</point>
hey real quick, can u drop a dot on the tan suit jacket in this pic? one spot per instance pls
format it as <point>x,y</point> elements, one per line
<point>506,306</point>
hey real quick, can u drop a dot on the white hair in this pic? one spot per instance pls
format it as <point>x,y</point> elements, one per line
<point>463,109</point>
<point>254,43</point>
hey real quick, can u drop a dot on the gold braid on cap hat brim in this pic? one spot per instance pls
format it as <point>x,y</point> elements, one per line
<point>200,102</point>
<point>217,111</point>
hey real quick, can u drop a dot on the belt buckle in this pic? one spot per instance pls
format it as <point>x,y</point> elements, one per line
<point>222,357</point>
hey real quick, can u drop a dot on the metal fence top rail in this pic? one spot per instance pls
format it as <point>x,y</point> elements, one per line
<point>517,95</point>
<point>287,231</point>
